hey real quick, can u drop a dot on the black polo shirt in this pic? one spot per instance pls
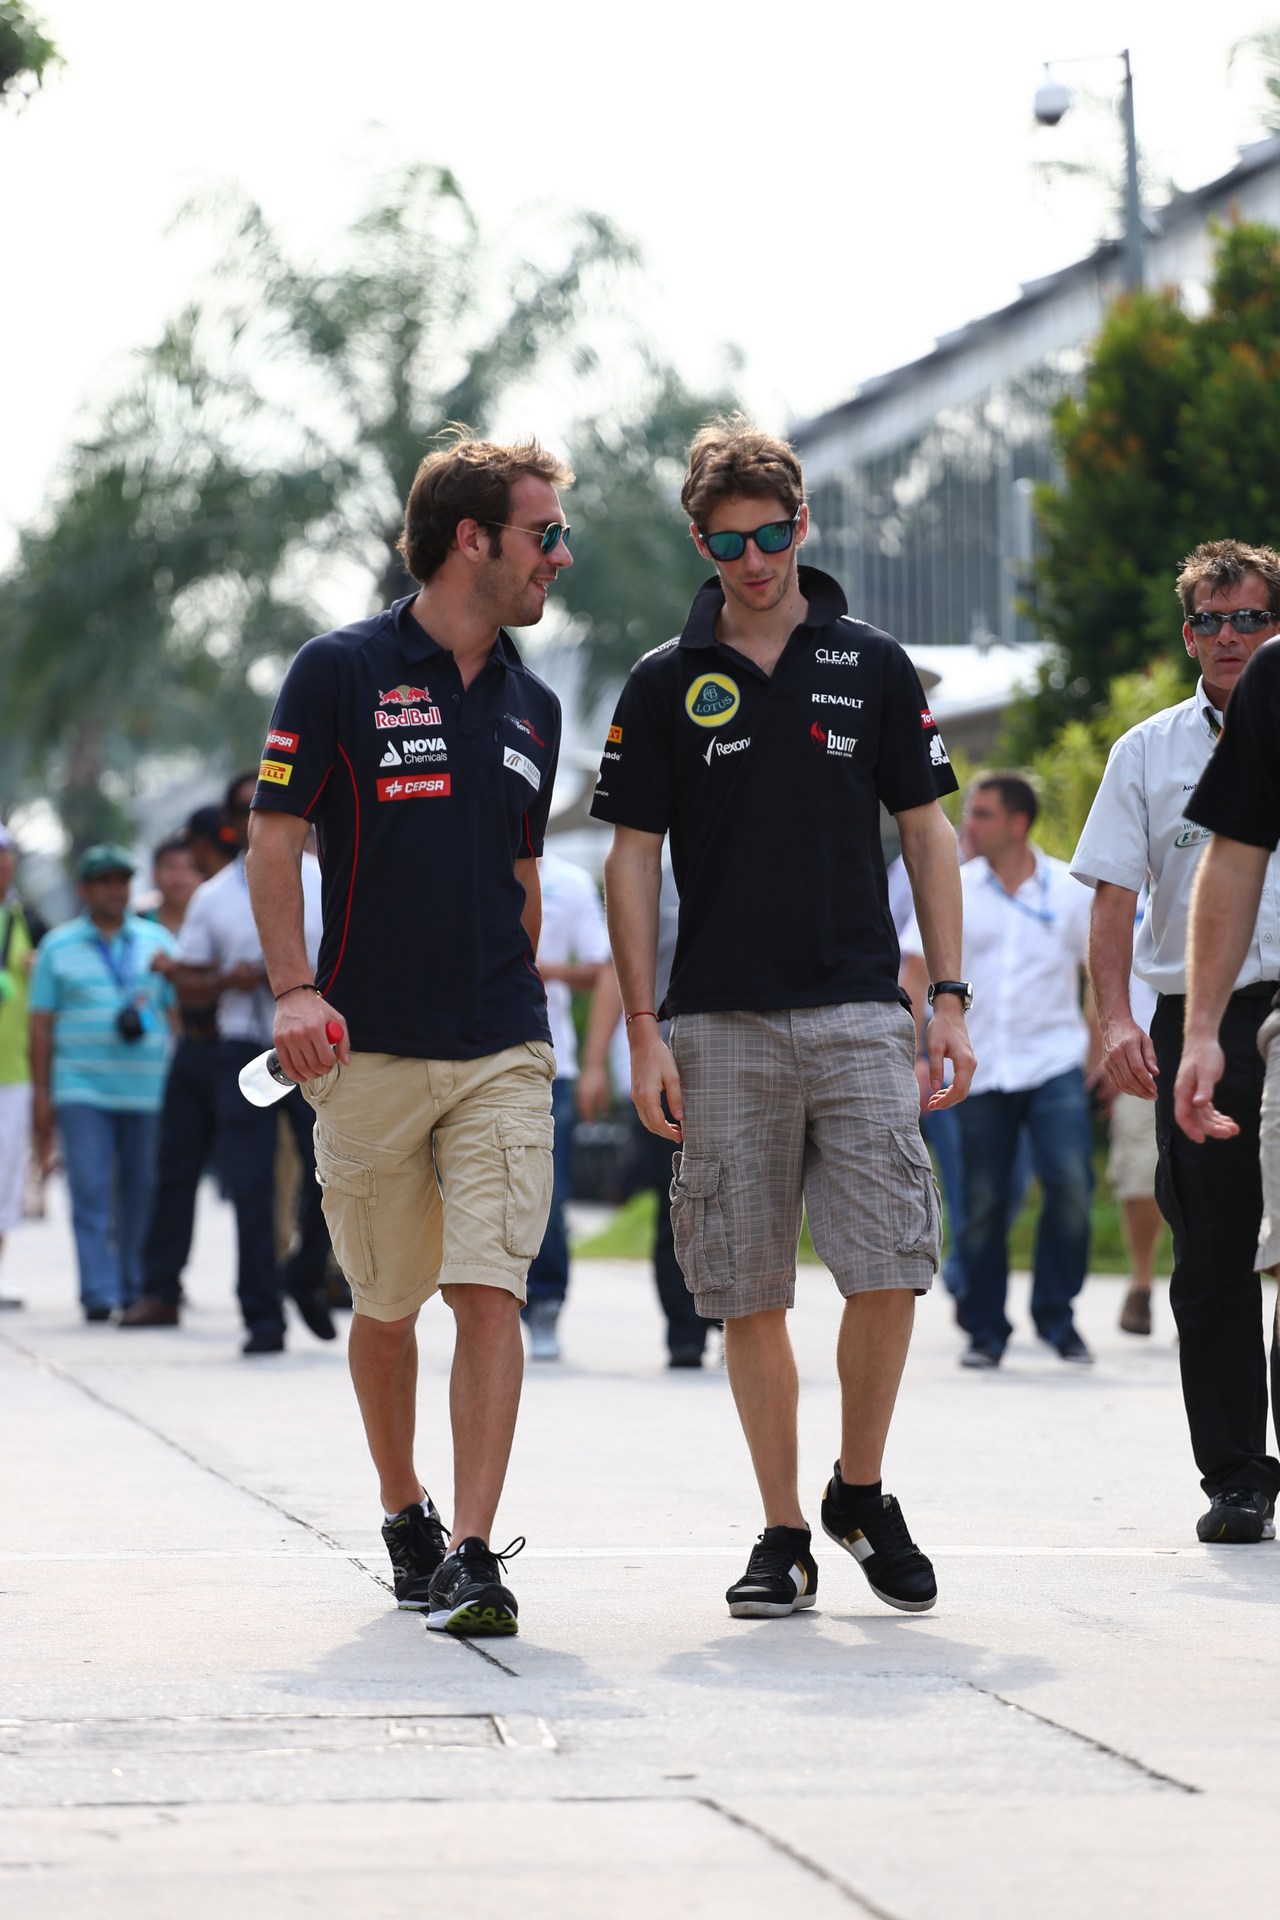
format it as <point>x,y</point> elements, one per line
<point>424,797</point>
<point>1239,791</point>
<point>770,787</point>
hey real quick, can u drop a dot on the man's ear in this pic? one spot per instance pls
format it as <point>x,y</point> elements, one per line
<point>802,524</point>
<point>1188,640</point>
<point>698,541</point>
<point>472,539</point>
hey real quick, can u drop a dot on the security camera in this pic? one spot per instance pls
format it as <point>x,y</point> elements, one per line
<point>1051,102</point>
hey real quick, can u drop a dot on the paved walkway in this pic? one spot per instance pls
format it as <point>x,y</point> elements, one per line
<point>209,1705</point>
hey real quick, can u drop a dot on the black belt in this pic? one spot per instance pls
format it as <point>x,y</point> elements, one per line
<point>1260,990</point>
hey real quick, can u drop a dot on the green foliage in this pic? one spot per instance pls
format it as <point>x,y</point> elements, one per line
<point>26,51</point>
<point>1069,771</point>
<point>1171,442</point>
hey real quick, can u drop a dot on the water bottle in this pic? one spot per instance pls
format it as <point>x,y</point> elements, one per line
<point>264,1080</point>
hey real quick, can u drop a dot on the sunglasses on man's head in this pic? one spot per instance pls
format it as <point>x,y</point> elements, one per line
<point>774,537</point>
<point>1244,620</point>
<point>548,538</point>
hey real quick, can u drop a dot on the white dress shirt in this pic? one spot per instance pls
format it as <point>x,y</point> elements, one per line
<point>1137,831</point>
<point>1024,954</point>
<point>573,930</point>
<point>219,931</point>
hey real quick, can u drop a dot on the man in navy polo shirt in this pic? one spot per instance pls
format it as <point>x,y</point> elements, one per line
<point>764,740</point>
<point>424,752</point>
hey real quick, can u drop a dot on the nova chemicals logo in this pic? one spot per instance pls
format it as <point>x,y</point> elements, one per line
<point>712,700</point>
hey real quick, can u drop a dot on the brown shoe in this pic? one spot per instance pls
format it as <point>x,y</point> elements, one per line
<point>1135,1315</point>
<point>149,1312</point>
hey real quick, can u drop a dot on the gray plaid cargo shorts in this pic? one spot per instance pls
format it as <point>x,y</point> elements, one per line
<point>813,1108</point>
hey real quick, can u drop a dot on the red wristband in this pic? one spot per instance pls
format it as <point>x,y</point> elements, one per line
<point>645,1013</point>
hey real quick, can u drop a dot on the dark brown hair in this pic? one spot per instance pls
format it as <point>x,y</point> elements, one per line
<point>731,456</point>
<point>1223,564</point>
<point>1017,795</point>
<point>466,479</point>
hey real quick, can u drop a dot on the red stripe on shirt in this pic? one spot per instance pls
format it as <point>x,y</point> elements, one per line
<point>355,860</point>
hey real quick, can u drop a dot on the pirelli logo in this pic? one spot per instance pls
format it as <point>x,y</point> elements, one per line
<point>615,736</point>
<point>277,773</point>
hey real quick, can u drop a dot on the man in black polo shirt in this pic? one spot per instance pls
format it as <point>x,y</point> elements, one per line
<point>424,752</point>
<point>764,740</point>
<point>1238,798</point>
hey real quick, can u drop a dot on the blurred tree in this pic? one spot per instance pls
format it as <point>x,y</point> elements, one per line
<point>1171,441</point>
<point>261,459</point>
<point>26,52</point>
<point>1069,771</point>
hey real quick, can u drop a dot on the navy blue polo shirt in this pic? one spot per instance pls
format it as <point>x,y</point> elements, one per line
<point>423,796</point>
<point>770,786</point>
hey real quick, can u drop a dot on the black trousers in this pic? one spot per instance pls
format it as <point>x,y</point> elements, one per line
<point>1211,1195</point>
<point>188,1126</point>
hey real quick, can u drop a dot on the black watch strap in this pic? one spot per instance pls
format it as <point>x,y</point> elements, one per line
<point>959,987</point>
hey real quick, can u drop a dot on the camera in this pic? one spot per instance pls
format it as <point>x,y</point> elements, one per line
<point>129,1024</point>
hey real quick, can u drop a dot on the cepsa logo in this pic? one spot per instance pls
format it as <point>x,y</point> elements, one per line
<point>275,772</point>
<point>430,787</point>
<point>282,742</point>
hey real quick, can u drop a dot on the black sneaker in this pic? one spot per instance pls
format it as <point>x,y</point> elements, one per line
<point>781,1576</point>
<point>467,1594</point>
<point>875,1533</point>
<point>314,1308</point>
<point>1069,1347</point>
<point>1240,1516</point>
<point>416,1541</point>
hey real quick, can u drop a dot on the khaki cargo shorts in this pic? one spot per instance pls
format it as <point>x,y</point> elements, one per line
<point>1131,1151</point>
<point>436,1173</point>
<point>814,1108</point>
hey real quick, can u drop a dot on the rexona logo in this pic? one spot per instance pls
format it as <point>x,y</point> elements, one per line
<point>712,700</point>
<point>408,786</point>
<point>275,772</point>
<point>726,746</point>
<point>407,717</point>
<point>282,742</point>
<point>841,744</point>
<point>835,657</point>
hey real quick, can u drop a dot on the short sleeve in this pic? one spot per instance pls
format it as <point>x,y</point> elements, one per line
<point>302,741</point>
<point>1239,790</point>
<point>635,784</point>
<point>913,766</point>
<point>1115,843</point>
<point>43,996</point>
<point>535,823</point>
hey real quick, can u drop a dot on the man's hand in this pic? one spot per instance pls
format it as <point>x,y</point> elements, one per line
<point>1193,1108</point>
<point>163,963</point>
<point>947,1038</point>
<point>42,1129</point>
<point>592,1097</point>
<point>653,1073</point>
<point>305,1051</point>
<point>1129,1059</point>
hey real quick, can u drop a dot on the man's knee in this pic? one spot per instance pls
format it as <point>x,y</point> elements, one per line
<point>479,1306</point>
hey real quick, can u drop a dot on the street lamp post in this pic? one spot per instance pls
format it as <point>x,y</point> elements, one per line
<point>1053,101</point>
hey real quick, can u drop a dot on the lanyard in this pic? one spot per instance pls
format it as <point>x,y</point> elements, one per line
<point>121,971</point>
<point>1040,913</point>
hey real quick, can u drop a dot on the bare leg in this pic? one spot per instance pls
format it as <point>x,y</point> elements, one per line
<point>1141,1221</point>
<point>875,1332</point>
<point>383,1356</point>
<point>484,1398</point>
<point>766,1390</point>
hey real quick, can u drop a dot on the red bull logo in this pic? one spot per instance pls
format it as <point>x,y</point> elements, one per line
<point>404,696</point>
<point>406,717</point>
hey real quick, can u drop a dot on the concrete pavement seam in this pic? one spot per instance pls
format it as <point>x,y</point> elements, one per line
<point>1089,1740</point>
<point>804,1860</point>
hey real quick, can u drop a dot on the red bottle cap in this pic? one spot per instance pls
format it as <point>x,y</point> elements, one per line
<point>333,1032</point>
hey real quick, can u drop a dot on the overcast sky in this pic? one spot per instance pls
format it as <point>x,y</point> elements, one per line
<point>826,186</point>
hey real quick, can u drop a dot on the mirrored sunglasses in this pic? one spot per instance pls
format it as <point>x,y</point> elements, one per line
<point>1244,620</point>
<point>774,537</point>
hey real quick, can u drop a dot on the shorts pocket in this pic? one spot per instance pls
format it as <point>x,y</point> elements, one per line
<point>698,1223</point>
<point>350,1191</point>
<point>316,1092</point>
<point>918,1214</point>
<point>525,1140</point>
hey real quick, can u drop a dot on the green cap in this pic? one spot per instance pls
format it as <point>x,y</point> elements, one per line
<point>104,858</point>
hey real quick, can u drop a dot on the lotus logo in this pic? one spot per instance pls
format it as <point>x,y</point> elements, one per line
<point>712,700</point>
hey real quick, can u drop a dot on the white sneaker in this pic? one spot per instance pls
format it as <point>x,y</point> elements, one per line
<point>544,1343</point>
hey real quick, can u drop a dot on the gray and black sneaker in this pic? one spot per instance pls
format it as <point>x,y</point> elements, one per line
<point>781,1576</point>
<point>416,1541</point>
<point>875,1533</point>
<point>467,1594</point>
<point>1239,1516</point>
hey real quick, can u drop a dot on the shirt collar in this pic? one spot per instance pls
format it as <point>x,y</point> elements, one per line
<point>417,644</point>
<point>1206,709</point>
<point>825,596</point>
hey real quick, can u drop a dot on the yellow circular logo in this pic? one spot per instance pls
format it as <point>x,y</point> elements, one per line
<point>712,700</point>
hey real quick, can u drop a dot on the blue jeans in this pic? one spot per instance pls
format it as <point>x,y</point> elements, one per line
<point>1056,1116</point>
<point>549,1271</point>
<point>941,1131</point>
<point>111,1170</point>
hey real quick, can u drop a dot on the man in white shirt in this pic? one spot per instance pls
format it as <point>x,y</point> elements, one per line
<point>573,951</point>
<point>1210,1192</point>
<point>1026,925</point>
<point>219,941</point>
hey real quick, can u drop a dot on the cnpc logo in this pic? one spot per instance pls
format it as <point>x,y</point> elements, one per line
<point>712,700</point>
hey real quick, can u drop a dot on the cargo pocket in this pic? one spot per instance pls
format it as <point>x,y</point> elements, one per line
<point>350,1191</point>
<point>698,1223</point>
<point>525,1139</point>
<point>918,1212</point>
<point>316,1092</point>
